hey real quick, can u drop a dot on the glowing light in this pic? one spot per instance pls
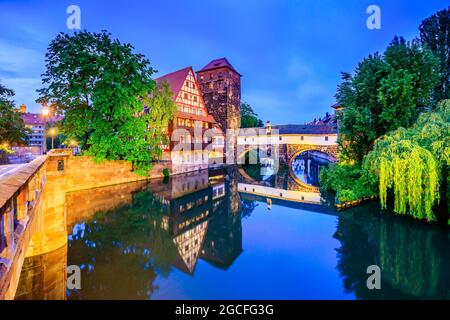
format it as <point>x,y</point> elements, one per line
<point>45,109</point>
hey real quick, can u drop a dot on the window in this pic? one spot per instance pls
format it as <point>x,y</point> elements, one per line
<point>303,138</point>
<point>186,96</point>
<point>326,138</point>
<point>195,99</point>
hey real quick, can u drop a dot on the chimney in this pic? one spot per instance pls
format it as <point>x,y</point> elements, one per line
<point>268,128</point>
<point>23,108</point>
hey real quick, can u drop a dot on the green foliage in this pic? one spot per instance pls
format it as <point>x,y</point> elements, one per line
<point>249,118</point>
<point>349,181</point>
<point>435,35</point>
<point>385,93</point>
<point>103,88</point>
<point>12,126</point>
<point>413,163</point>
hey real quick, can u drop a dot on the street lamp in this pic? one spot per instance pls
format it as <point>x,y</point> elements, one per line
<point>73,145</point>
<point>45,109</point>
<point>52,132</point>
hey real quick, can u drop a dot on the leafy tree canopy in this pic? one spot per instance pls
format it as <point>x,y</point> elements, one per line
<point>386,92</point>
<point>102,87</point>
<point>12,126</point>
<point>435,35</point>
<point>414,163</point>
<point>249,118</point>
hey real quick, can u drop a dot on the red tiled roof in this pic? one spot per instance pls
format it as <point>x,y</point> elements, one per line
<point>207,118</point>
<point>218,63</point>
<point>175,80</point>
<point>38,119</point>
<point>305,129</point>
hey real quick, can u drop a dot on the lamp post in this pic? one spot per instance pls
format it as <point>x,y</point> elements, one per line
<point>73,144</point>
<point>52,133</point>
<point>45,111</point>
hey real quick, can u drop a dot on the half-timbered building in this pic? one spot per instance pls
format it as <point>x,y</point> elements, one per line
<point>192,115</point>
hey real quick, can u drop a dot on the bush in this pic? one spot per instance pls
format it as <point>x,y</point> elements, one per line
<point>350,182</point>
<point>166,173</point>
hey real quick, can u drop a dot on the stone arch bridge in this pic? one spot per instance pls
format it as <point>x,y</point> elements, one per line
<point>286,142</point>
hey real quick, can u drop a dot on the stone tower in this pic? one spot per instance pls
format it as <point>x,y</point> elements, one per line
<point>220,85</point>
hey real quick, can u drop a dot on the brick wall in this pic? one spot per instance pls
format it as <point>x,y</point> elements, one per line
<point>221,90</point>
<point>84,173</point>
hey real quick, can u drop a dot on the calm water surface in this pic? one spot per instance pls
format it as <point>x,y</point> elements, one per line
<point>225,235</point>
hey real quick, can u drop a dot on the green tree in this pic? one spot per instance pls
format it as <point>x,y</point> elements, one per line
<point>12,126</point>
<point>249,118</point>
<point>435,35</point>
<point>413,163</point>
<point>386,92</point>
<point>101,86</point>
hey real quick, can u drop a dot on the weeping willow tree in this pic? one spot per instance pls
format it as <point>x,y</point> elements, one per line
<point>412,164</point>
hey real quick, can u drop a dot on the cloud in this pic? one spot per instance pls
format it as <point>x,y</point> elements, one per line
<point>15,59</point>
<point>298,69</point>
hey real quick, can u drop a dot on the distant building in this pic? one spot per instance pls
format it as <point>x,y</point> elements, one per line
<point>37,123</point>
<point>220,85</point>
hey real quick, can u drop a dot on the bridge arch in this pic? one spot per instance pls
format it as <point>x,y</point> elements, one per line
<point>250,148</point>
<point>293,151</point>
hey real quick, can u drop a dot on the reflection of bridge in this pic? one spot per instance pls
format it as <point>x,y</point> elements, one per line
<point>288,141</point>
<point>310,201</point>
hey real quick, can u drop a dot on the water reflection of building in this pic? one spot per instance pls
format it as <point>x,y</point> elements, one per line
<point>202,222</point>
<point>135,232</point>
<point>223,243</point>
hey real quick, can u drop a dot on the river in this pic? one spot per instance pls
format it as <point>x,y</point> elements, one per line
<point>229,234</point>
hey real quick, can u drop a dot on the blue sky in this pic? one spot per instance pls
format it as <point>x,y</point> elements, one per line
<point>291,53</point>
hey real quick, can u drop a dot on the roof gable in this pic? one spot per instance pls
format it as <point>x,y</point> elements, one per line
<point>175,80</point>
<point>217,64</point>
<point>187,95</point>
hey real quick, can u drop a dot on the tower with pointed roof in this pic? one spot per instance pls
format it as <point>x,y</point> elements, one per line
<point>220,85</point>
